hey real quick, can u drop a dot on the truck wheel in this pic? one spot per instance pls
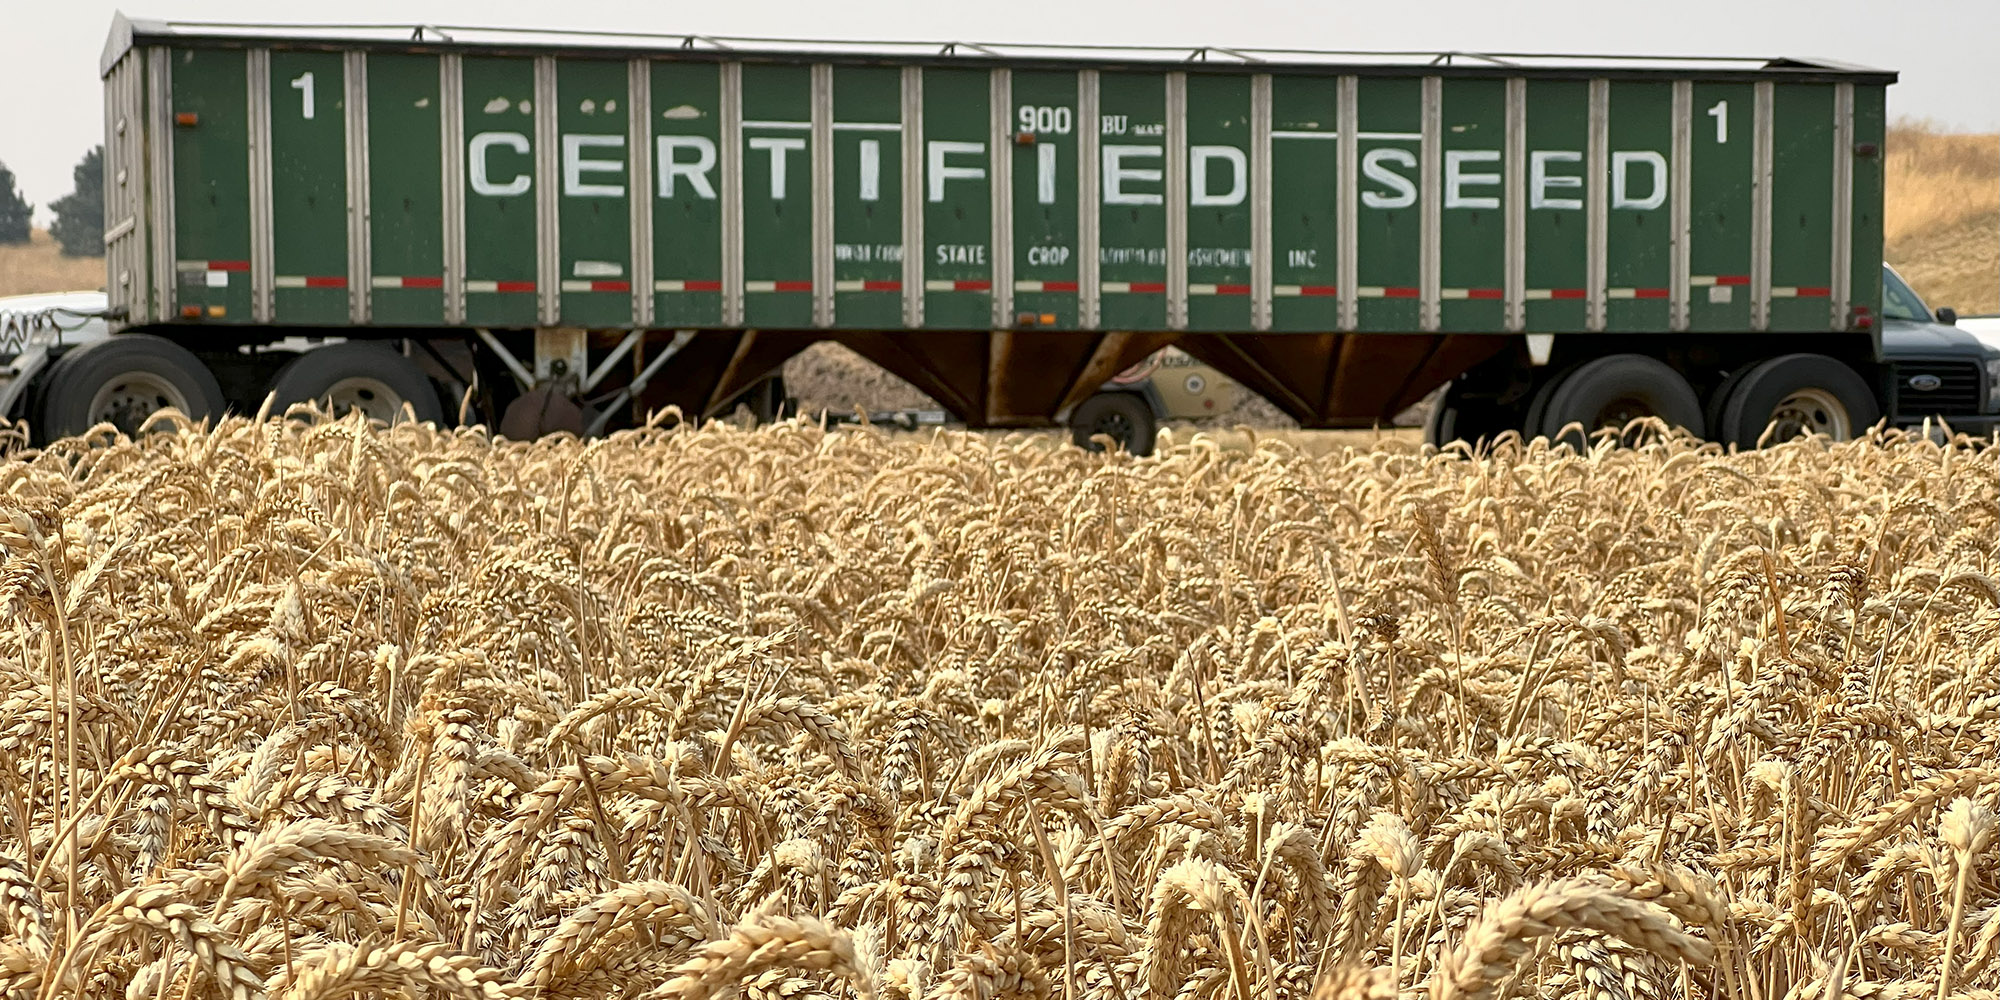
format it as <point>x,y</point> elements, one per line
<point>124,380</point>
<point>1797,394</point>
<point>1612,391</point>
<point>1457,418</point>
<point>358,375</point>
<point>1121,416</point>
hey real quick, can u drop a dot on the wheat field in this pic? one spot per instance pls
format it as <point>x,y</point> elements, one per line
<point>318,709</point>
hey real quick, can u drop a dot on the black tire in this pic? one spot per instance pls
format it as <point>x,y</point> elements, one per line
<point>359,373</point>
<point>1712,410</point>
<point>1799,392</point>
<point>1613,390</point>
<point>1475,421</point>
<point>1124,417</point>
<point>124,380</point>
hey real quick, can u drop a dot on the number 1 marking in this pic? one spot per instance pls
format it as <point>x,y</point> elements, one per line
<point>1720,113</point>
<point>304,84</point>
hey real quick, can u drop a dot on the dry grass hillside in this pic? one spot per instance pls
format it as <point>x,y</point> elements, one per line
<point>1942,217</point>
<point>40,267</point>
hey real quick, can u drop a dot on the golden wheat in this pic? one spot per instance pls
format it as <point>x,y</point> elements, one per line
<point>315,709</point>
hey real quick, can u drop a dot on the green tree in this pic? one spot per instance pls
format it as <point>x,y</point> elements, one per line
<point>79,223</point>
<point>15,212</point>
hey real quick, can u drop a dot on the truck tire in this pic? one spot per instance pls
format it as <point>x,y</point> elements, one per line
<point>1121,416</point>
<point>1794,394</point>
<point>358,374</point>
<point>1614,390</point>
<point>1458,418</point>
<point>122,381</point>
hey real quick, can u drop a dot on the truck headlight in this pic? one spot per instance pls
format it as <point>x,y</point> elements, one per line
<point>1993,383</point>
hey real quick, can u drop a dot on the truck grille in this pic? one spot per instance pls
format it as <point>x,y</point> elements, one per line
<point>1956,391</point>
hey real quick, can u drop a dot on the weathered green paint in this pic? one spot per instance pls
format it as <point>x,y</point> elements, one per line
<point>958,200</point>
<point>777,195</point>
<point>211,186</point>
<point>1722,200</point>
<point>1305,203</point>
<point>309,187</point>
<point>1045,219</point>
<point>405,191</point>
<point>687,207</point>
<point>1639,240</point>
<point>1802,206</point>
<point>1218,240</point>
<point>500,222</point>
<point>1558,232</point>
<point>1389,220</point>
<point>1473,224</point>
<point>1865,280</point>
<point>594,212</point>
<point>867,197</point>
<point>1133,217</point>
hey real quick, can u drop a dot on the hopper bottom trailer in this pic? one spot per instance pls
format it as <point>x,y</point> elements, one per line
<point>569,231</point>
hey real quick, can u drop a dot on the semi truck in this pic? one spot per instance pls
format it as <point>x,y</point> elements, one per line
<point>550,231</point>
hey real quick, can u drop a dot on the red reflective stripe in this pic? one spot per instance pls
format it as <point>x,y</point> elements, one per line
<point>1402,293</point>
<point>1059,286</point>
<point>1485,293</point>
<point>1232,289</point>
<point>423,282</point>
<point>881,286</point>
<point>1732,279</point>
<point>330,281</point>
<point>790,286</point>
<point>229,265</point>
<point>1567,293</point>
<point>1318,290</point>
<point>513,286</point>
<point>610,286</point>
<point>972,285</point>
<point>701,286</point>
<point>1650,293</point>
<point>1806,292</point>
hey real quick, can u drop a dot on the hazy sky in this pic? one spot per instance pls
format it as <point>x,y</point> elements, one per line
<point>49,90</point>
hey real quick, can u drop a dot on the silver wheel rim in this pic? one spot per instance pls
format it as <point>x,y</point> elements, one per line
<point>126,400</point>
<point>1811,411</point>
<point>372,397</point>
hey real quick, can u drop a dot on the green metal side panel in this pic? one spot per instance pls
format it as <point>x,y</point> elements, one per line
<point>867,197</point>
<point>1305,204</point>
<point>405,191</point>
<point>1639,238</point>
<point>1389,221</point>
<point>594,209</point>
<point>777,197</point>
<point>309,188</point>
<point>1557,228</point>
<point>687,194</point>
<point>1865,281</point>
<point>1132,215</point>
<point>1045,189</point>
<point>1721,203</point>
<point>500,192</point>
<point>1472,263</point>
<point>1802,207</point>
<point>211,185</point>
<point>1218,194</point>
<point>958,200</point>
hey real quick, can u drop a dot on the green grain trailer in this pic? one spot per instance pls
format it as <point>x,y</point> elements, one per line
<point>584,227</point>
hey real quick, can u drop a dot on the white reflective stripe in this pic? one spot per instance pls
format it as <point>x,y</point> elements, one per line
<point>190,266</point>
<point>1115,286</point>
<point>1621,293</point>
<point>474,285</point>
<point>570,285</point>
<point>1369,291</point>
<point>1701,280</point>
<point>1454,293</point>
<point>385,281</point>
<point>865,126</point>
<point>1538,294</point>
<point>1286,289</point>
<point>850,286</point>
<point>759,286</point>
<point>1784,291</point>
<point>288,281</point>
<point>1281,133</point>
<point>670,286</point>
<point>1027,286</point>
<point>802,126</point>
<point>1201,289</point>
<point>940,285</point>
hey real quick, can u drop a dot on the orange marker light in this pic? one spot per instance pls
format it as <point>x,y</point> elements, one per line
<point>186,119</point>
<point>190,312</point>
